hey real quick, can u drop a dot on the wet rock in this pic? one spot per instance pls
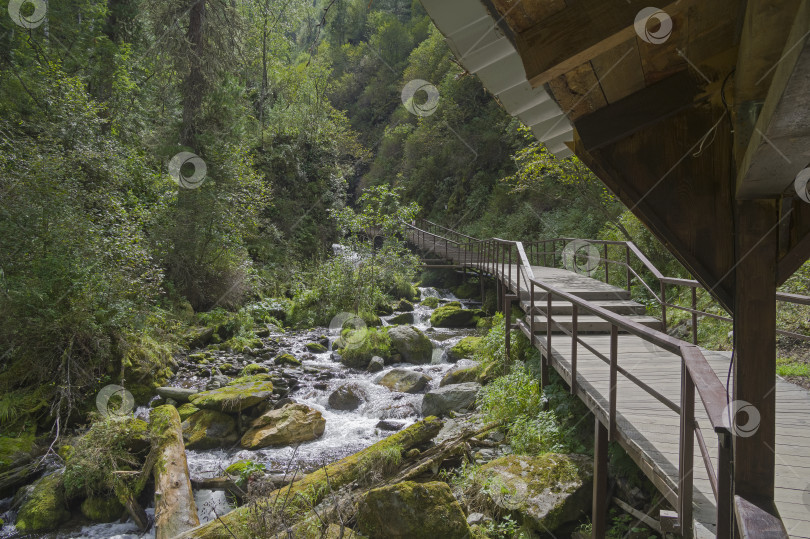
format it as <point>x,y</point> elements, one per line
<point>44,507</point>
<point>431,302</point>
<point>187,410</point>
<point>452,398</point>
<point>388,425</point>
<point>217,381</point>
<point>410,509</point>
<point>411,344</point>
<point>402,318</point>
<point>207,429</point>
<point>348,396</point>
<point>465,348</point>
<point>179,394</point>
<point>404,381</point>
<point>199,337</point>
<point>316,347</point>
<point>282,403</point>
<point>102,509</point>
<point>403,306</point>
<point>453,316</point>
<point>461,375</point>
<point>288,425</point>
<point>475,518</point>
<point>240,394</point>
<point>254,368</point>
<point>287,359</point>
<point>542,492</point>
<point>376,364</point>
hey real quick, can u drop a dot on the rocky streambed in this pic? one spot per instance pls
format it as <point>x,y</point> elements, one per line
<point>294,404</point>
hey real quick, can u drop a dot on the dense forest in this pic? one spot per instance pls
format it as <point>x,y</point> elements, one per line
<point>176,173</point>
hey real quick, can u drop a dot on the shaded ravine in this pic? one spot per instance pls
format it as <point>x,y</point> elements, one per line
<point>346,432</point>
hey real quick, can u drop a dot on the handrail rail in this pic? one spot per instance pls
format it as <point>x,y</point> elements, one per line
<point>697,376</point>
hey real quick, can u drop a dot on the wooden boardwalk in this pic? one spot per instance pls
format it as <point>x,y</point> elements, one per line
<point>646,428</point>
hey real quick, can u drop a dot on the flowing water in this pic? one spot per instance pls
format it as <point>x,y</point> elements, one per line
<point>346,431</point>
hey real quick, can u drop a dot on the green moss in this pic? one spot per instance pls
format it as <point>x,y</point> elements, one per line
<point>453,316</point>
<point>403,305</point>
<point>468,290</point>
<point>315,347</point>
<point>148,363</point>
<point>45,508</point>
<point>14,449</point>
<point>238,467</point>
<point>465,348</point>
<point>431,302</point>
<point>402,318</point>
<point>359,346</point>
<point>208,429</point>
<point>102,509</point>
<point>254,368</point>
<point>187,410</point>
<point>239,394</point>
<point>287,359</point>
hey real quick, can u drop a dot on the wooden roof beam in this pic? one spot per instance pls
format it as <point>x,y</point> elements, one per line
<point>779,145</point>
<point>577,34</point>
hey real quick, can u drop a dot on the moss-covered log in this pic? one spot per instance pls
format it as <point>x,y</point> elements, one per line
<point>175,510</point>
<point>313,488</point>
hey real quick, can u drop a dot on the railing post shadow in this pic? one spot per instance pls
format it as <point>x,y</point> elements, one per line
<point>574,321</point>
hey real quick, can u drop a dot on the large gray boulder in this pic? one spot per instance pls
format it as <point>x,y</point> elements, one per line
<point>403,380</point>
<point>180,394</point>
<point>207,429</point>
<point>453,398</point>
<point>542,492</point>
<point>348,396</point>
<point>411,344</point>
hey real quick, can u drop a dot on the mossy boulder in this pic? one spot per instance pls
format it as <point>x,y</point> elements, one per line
<point>44,507</point>
<point>412,510</point>
<point>410,343</point>
<point>207,429</point>
<point>102,508</point>
<point>316,347</point>
<point>403,305</point>
<point>402,319</point>
<point>179,394</point>
<point>199,337</point>
<point>542,492</point>
<point>431,301</point>
<point>461,375</point>
<point>291,424</point>
<point>453,316</point>
<point>240,394</point>
<point>358,346</point>
<point>463,349</point>
<point>254,368</point>
<point>187,410</point>
<point>287,359</point>
<point>15,451</point>
<point>404,381</point>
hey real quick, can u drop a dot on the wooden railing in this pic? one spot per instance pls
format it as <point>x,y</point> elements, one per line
<point>497,257</point>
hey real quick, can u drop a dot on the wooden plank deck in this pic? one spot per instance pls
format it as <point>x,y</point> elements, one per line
<point>647,428</point>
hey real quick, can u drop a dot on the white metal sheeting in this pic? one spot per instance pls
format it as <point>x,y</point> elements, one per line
<point>477,42</point>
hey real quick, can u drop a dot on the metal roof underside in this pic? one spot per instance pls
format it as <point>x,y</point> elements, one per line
<point>477,42</point>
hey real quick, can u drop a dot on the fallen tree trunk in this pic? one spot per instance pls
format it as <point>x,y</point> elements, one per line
<point>175,510</point>
<point>295,500</point>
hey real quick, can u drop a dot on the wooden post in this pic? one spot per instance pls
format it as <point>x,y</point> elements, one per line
<point>627,260</point>
<point>614,363</point>
<point>574,318</point>
<point>694,316</point>
<point>755,344</point>
<point>544,369</point>
<point>600,483</point>
<point>507,316</point>
<point>725,512</point>
<point>664,306</point>
<point>686,453</point>
<point>607,266</point>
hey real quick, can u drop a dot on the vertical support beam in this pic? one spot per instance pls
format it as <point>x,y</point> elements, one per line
<point>544,369</point>
<point>507,316</point>
<point>755,344</point>
<point>694,317</point>
<point>725,512</point>
<point>607,265</point>
<point>614,363</point>
<point>664,306</point>
<point>627,261</point>
<point>600,483</point>
<point>686,454</point>
<point>574,321</point>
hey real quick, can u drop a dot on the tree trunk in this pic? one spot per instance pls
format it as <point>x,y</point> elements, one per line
<point>175,510</point>
<point>291,503</point>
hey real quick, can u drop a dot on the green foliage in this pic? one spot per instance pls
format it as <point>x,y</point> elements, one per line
<point>377,465</point>
<point>110,444</point>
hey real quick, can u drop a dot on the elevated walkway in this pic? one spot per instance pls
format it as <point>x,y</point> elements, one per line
<point>642,386</point>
